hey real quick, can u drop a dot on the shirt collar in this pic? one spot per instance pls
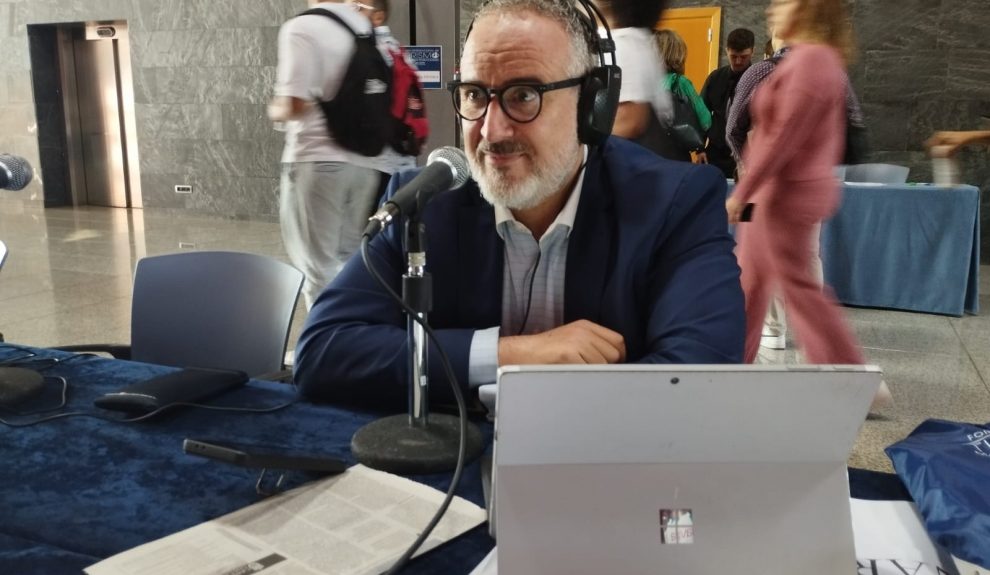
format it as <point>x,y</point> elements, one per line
<point>566,215</point>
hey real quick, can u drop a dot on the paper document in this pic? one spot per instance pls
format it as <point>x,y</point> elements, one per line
<point>357,522</point>
<point>890,540</point>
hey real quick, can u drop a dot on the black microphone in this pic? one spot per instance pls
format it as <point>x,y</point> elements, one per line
<point>446,168</point>
<point>15,172</point>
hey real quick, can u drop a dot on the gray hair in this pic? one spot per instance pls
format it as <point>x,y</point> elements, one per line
<point>583,35</point>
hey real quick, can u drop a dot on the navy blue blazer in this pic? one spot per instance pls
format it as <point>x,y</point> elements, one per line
<point>650,256</point>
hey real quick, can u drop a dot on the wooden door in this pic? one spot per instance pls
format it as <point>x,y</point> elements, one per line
<point>699,27</point>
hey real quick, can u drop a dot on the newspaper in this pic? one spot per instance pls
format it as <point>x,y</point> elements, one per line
<point>890,540</point>
<point>354,523</point>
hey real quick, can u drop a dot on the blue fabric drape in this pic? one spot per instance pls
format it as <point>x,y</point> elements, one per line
<point>946,468</point>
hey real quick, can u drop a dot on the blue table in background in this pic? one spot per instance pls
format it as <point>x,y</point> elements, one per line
<point>77,490</point>
<point>909,247</point>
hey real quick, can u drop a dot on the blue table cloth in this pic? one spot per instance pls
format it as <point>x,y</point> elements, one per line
<point>908,247</point>
<point>77,490</point>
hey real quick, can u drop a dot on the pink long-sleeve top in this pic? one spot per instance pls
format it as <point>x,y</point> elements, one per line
<point>799,129</point>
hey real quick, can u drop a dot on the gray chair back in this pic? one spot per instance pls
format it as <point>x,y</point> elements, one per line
<point>877,173</point>
<point>225,310</point>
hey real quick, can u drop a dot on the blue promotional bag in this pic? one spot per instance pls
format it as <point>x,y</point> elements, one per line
<point>945,465</point>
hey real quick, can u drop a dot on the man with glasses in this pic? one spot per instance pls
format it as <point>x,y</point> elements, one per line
<point>555,251</point>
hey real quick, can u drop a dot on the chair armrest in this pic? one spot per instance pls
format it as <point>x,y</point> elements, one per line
<point>116,350</point>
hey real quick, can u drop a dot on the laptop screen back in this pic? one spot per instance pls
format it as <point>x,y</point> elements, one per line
<point>601,468</point>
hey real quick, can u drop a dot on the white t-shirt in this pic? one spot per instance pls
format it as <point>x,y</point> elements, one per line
<point>313,55</point>
<point>642,71</point>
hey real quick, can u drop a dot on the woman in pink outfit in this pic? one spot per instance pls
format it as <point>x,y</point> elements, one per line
<point>799,123</point>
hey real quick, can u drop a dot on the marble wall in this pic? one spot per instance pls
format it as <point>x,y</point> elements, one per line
<point>204,70</point>
<point>922,66</point>
<point>203,74</point>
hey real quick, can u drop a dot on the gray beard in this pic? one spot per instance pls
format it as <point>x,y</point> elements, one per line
<point>542,184</point>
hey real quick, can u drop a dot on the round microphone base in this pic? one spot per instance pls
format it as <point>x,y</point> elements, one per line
<point>18,385</point>
<point>391,444</point>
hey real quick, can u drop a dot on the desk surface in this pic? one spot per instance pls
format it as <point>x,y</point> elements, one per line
<point>80,489</point>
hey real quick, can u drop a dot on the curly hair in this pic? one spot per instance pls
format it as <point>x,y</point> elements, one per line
<point>583,33</point>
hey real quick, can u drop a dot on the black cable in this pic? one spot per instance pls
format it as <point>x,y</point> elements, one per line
<point>148,415</point>
<point>461,412</point>
<point>532,277</point>
<point>529,299</point>
<point>65,394</point>
<point>31,356</point>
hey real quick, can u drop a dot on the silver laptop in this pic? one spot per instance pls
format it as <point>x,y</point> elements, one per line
<point>677,469</point>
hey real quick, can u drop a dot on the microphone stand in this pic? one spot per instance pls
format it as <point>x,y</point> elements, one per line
<point>415,442</point>
<point>417,292</point>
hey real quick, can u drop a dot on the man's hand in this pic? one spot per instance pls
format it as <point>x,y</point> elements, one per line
<point>581,341</point>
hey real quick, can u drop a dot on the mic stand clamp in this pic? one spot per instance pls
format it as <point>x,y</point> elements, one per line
<point>416,442</point>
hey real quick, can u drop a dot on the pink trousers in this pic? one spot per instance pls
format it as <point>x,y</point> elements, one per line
<point>774,251</point>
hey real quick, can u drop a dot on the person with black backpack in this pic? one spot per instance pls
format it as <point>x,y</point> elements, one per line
<point>409,125</point>
<point>332,95</point>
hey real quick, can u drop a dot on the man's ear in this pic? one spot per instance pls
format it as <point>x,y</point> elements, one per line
<point>378,18</point>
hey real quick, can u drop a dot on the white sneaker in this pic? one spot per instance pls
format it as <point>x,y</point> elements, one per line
<point>882,399</point>
<point>773,341</point>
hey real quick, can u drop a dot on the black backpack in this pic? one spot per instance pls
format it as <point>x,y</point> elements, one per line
<point>359,116</point>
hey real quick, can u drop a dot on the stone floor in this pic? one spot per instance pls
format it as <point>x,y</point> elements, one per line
<point>68,280</point>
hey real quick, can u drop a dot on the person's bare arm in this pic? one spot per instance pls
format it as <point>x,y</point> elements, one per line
<point>945,144</point>
<point>631,120</point>
<point>580,341</point>
<point>285,108</point>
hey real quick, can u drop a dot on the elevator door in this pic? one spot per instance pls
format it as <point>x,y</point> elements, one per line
<point>96,119</point>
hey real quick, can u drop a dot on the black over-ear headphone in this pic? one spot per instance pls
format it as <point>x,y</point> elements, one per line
<point>599,97</point>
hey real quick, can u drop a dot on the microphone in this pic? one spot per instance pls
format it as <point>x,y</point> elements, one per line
<point>446,168</point>
<point>15,172</point>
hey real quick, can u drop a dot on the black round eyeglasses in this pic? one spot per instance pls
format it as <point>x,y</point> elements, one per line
<point>522,102</point>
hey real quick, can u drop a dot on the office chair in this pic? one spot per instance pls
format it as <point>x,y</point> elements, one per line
<point>877,173</point>
<point>225,310</point>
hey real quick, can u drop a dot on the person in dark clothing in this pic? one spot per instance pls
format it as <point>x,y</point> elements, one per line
<point>717,94</point>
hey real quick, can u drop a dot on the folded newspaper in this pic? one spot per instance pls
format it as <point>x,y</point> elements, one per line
<point>355,523</point>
